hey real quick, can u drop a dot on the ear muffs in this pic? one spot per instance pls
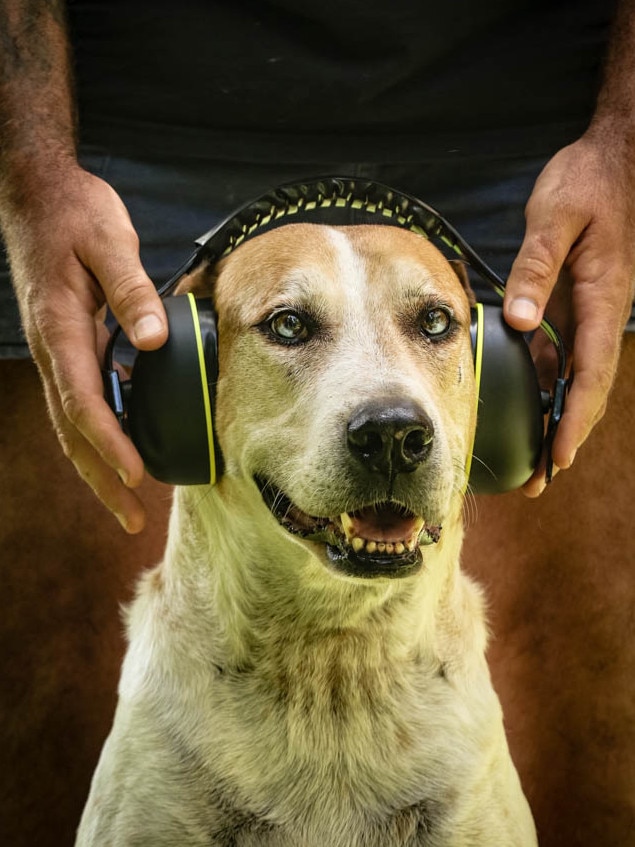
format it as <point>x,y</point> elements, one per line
<point>171,399</point>
<point>168,405</point>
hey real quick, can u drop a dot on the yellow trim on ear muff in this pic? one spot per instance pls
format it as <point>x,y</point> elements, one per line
<point>204,388</point>
<point>478,369</point>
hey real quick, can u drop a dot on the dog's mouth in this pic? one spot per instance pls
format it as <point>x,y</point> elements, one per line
<point>380,539</point>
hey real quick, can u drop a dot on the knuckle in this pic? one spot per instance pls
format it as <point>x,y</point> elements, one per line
<point>128,294</point>
<point>596,386</point>
<point>45,323</point>
<point>537,263</point>
<point>604,382</point>
<point>35,316</point>
<point>74,409</point>
<point>68,445</point>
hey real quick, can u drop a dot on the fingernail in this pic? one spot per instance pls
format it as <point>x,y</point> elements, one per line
<point>524,308</point>
<point>122,520</point>
<point>146,327</point>
<point>572,457</point>
<point>123,475</point>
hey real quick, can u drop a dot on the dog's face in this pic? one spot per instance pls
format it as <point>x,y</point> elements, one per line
<point>346,389</point>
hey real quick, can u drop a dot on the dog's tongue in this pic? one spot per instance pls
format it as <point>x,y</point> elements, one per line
<point>382,523</point>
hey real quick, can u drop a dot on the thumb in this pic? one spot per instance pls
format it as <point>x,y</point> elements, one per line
<point>133,298</point>
<point>549,236</point>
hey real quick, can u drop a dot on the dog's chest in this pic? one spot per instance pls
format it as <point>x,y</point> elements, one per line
<point>412,827</point>
<point>338,745</point>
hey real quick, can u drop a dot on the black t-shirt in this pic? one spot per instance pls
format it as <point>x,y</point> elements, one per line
<point>319,80</point>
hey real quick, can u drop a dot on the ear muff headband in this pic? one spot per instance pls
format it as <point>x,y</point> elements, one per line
<point>341,201</point>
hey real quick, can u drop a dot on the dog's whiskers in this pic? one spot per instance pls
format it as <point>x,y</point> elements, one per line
<point>203,497</point>
<point>462,486</point>
<point>470,507</point>
<point>475,458</point>
<point>279,500</point>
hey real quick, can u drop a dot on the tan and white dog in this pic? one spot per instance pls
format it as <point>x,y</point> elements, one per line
<point>306,666</point>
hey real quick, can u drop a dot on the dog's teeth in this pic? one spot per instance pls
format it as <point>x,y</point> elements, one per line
<point>347,525</point>
<point>390,548</point>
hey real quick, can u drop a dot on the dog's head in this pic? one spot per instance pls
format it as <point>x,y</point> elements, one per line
<point>346,389</point>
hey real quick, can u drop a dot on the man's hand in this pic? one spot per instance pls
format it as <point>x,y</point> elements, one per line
<point>71,247</point>
<point>579,234</point>
<point>65,267</point>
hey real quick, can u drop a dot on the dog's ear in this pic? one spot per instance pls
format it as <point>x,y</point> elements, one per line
<point>460,269</point>
<point>200,282</point>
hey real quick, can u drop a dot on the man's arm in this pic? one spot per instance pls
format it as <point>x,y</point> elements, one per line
<point>580,233</point>
<point>71,247</point>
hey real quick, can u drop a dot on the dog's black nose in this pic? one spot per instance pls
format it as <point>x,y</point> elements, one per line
<point>390,438</point>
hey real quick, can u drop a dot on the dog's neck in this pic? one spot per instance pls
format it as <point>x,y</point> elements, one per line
<point>283,591</point>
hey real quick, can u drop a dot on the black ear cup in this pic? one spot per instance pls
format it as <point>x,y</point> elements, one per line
<point>170,397</point>
<point>509,431</point>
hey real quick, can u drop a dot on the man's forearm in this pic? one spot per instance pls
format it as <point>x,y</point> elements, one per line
<point>37,116</point>
<point>614,117</point>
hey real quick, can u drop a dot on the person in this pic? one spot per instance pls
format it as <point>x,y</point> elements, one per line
<point>73,248</point>
<point>129,129</point>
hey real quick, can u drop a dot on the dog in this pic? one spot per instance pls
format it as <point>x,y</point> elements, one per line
<point>306,667</point>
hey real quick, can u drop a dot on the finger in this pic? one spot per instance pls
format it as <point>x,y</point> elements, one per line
<point>88,431</point>
<point>595,356</point>
<point>74,382</point>
<point>130,293</point>
<point>548,239</point>
<point>106,484</point>
<point>537,482</point>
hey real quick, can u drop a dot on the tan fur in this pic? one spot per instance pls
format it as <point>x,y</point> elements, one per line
<point>266,697</point>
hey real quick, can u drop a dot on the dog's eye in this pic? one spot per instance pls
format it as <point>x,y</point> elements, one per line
<point>435,323</point>
<point>289,327</point>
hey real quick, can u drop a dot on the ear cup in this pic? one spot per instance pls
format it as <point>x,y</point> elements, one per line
<point>170,402</point>
<point>509,430</point>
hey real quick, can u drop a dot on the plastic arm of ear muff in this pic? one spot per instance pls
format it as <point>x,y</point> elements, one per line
<point>557,408</point>
<point>113,393</point>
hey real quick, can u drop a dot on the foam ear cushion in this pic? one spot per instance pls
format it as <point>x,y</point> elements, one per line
<point>509,432</point>
<point>171,397</point>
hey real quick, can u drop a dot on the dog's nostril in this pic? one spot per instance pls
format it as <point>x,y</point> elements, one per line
<point>390,439</point>
<point>416,443</point>
<point>367,440</point>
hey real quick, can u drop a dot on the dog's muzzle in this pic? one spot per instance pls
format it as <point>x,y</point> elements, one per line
<point>381,539</point>
<point>385,441</point>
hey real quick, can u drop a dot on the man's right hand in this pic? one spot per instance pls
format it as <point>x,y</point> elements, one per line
<point>65,268</point>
